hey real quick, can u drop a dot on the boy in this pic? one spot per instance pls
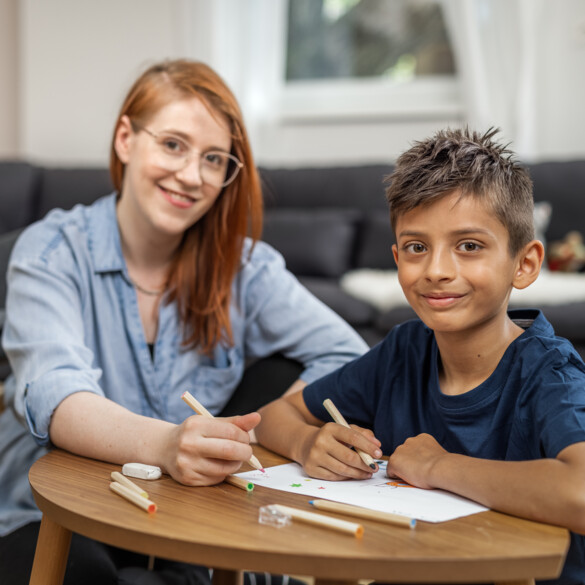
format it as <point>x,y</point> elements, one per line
<point>470,398</point>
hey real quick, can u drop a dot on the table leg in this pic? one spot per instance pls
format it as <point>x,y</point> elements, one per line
<point>226,577</point>
<point>51,554</point>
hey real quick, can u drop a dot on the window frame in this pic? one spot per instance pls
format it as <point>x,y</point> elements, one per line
<point>221,33</point>
<point>425,97</point>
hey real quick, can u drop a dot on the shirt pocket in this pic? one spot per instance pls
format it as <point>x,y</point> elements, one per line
<point>214,381</point>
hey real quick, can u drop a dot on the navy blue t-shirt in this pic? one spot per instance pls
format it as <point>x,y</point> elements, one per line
<point>531,407</point>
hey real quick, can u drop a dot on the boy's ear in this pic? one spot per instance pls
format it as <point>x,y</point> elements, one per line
<point>529,262</point>
<point>123,138</point>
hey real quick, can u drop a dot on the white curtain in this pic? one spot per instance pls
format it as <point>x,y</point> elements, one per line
<point>496,46</point>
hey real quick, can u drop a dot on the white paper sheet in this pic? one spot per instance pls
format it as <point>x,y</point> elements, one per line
<point>378,493</point>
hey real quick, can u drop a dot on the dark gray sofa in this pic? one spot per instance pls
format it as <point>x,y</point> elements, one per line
<point>325,221</point>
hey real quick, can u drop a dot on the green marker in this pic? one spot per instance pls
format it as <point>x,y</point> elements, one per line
<point>243,484</point>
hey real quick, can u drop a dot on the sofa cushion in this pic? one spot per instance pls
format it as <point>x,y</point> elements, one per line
<point>19,184</point>
<point>313,242</point>
<point>375,242</point>
<point>386,320</point>
<point>7,242</point>
<point>568,320</point>
<point>562,183</point>
<point>355,311</point>
<point>65,188</point>
<point>359,187</point>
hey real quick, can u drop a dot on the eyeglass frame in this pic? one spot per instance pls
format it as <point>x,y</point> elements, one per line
<point>189,157</point>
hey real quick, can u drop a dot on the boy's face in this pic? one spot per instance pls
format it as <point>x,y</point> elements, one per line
<point>454,265</point>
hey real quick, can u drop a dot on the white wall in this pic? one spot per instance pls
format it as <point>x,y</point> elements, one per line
<point>66,64</point>
<point>8,78</point>
<point>78,57</point>
<point>561,87</point>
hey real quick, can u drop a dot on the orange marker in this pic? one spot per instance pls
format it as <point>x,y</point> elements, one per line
<point>133,497</point>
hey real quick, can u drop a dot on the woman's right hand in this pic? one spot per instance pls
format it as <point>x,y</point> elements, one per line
<point>203,451</point>
<point>329,452</point>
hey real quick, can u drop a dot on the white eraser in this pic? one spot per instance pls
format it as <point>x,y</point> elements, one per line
<point>141,471</point>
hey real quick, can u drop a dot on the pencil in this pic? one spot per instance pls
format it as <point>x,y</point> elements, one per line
<point>239,482</point>
<point>133,497</point>
<point>200,409</point>
<point>320,520</point>
<point>395,519</point>
<point>117,476</point>
<point>338,418</point>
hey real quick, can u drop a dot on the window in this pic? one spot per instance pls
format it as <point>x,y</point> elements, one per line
<point>362,58</point>
<point>332,39</point>
<point>331,81</point>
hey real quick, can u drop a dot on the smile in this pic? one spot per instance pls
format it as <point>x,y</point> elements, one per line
<point>442,299</point>
<point>178,198</point>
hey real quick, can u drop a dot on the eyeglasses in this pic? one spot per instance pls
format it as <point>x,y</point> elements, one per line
<point>216,168</point>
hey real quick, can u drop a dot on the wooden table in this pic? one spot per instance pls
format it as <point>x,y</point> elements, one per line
<point>218,527</point>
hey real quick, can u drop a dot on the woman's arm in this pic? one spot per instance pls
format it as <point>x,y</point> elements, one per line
<point>282,316</point>
<point>546,490</point>
<point>200,451</point>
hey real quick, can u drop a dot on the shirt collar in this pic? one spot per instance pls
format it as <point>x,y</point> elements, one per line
<point>104,236</point>
<point>532,321</point>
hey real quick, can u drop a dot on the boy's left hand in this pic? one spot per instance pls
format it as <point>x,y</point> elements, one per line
<point>414,460</point>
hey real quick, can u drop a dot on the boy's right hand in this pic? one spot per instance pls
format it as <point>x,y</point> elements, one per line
<point>329,452</point>
<point>203,451</point>
<point>324,450</point>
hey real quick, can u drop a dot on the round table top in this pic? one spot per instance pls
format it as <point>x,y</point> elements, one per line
<point>218,527</point>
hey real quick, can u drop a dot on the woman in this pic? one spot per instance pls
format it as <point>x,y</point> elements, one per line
<point>117,308</point>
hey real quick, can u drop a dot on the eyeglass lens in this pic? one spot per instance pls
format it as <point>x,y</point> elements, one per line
<point>216,168</point>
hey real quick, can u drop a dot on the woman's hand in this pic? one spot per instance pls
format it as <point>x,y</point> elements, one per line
<point>202,451</point>
<point>329,452</point>
<point>414,460</point>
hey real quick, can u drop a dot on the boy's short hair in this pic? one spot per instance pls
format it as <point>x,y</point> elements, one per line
<point>474,164</point>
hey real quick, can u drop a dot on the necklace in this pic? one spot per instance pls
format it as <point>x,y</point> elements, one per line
<point>146,291</point>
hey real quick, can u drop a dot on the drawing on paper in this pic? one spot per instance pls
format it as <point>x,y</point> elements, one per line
<point>378,493</point>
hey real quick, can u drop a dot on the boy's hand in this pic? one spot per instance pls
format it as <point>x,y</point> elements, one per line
<point>327,452</point>
<point>414,460</point>
<point>202,451</point>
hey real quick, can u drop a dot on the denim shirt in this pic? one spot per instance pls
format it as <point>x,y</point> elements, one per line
<point>72,324</point>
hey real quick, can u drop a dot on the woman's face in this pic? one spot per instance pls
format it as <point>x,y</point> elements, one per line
<point>155,194</point>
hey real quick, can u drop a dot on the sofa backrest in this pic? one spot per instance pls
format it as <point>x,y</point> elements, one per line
<point>64,188</point>
<point>19,188</point>
<point>562,184</point>
<point>326,221</point>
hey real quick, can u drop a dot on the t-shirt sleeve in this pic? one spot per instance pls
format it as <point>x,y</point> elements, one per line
<point>559,409</point>
<point>353,388</point>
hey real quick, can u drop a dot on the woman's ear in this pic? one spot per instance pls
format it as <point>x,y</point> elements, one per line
<point>529,262</point>
<point>123,139</point>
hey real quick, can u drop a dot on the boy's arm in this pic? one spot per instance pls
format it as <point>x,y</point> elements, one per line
<point>546,490</point>
<point>288,427</point>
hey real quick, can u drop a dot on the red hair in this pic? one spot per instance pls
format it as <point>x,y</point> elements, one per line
<point>210,254</point>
